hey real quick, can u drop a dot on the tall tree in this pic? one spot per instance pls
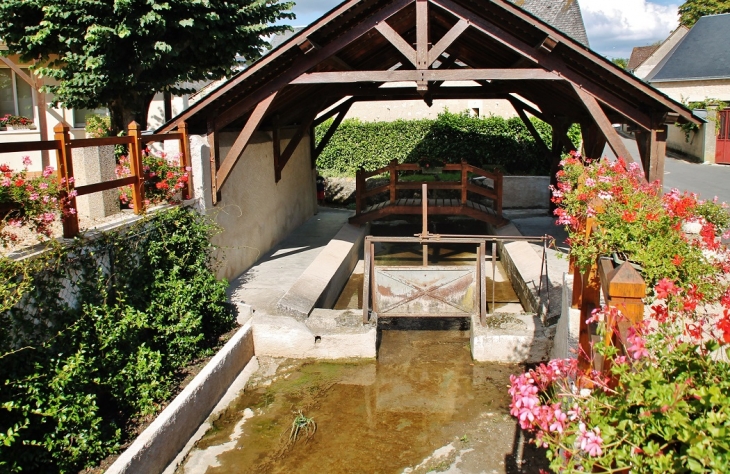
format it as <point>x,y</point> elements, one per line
<point>118,54</point>
<point>691,10</point>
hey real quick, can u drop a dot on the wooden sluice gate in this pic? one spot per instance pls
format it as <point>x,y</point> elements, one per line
<point>434,290</point>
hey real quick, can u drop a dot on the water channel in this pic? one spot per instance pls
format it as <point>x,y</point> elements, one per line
<point>423,406</point>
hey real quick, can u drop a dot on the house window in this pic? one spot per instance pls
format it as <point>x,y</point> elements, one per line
<point>16,95</point>
<point>81,114</point>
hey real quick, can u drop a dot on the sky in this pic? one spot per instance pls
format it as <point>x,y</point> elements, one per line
<point>614,27</point>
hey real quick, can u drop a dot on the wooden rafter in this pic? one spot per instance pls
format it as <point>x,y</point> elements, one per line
<point>547,61</point>
<point>239,146</point>
<point>439,48</point>
<point>213,144</point>
<point>425,75</point>
<point>342,111</point>
<point>333,111</point>
<point>527,107</point>
<point>521,112</point>
<point>300,66</point>
<point>296,139</point>
<point>397,40</point>
<point>599,116</point>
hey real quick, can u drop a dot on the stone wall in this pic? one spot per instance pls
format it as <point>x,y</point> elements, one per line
<point>254,211</point>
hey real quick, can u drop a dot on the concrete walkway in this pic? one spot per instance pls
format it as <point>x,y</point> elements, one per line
<point>262,286</point>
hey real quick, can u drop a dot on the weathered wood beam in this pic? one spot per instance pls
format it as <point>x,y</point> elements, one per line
<point>593,140</point>
<point>296,139</point>
<point>599,116</point>
<point>214,147</point>
<point>541,115</point>
<point>276,142</point>
<point>547,61</point>
<point>334,111</point>
<point>422,34</point>
<point>448,39</point>
<point>239,146</point>
<point>530,127</point>
<point>333,128</point>
<point>397,40</point>
<point>652,149</point>
<point>300,66</point>
<point>425,75</point>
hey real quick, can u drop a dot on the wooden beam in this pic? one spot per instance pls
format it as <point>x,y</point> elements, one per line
<point>652,150</point>
<point>397,40</point>
<point>520,111</point>
<point>333,128</point>
<point>593,140</point>
<point>422,34</point>
<point>541,115</point>
<point>613,138</point>
<point>300,66</point>
<point>243,138</point>
<point>547,61</point>
<point>213,144</point>
<point>296,139</point>
<point>447,40</point>
<point>425,75</point>
<point>334,111</point>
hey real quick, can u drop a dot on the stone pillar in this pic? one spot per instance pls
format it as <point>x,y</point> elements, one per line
<point>95,165</point>
<point>708,135</point>
<point>200,164</point>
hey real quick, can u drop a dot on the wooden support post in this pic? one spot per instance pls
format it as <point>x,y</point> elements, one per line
<point>424,220</point>
<point>136,167</point>
<point>333,128</point>
<point>464,182</point>
<point>593,140</point>
<point>239,146</point>
<point>604,124</point>
<point>498,191</point>
<point>393,170</point>
<point>185,158</point>
<point>66,171</point>
<point>652,146</point>
<point>214,158</point>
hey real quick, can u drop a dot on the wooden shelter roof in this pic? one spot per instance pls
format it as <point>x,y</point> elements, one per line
<point>361,44</point>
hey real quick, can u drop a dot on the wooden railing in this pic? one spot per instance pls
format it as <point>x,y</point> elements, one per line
<point>135,141</point>
<point>464,185</point>
<point>623,288</point>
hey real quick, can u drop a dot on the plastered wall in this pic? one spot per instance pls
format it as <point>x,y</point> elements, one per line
<point>255,212</point>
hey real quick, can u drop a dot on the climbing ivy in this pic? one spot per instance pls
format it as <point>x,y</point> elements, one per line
<point>487,142</point>
<point>93,337</point>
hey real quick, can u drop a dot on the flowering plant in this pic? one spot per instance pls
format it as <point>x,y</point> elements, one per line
<point>14,120</point>
<point>662,407</point>
<point>165,180</point>
<point>28,200</point>
<point>660,403</point>
<point>635,218</point>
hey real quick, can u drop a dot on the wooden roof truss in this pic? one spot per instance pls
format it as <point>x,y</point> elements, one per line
<point>355,50</point>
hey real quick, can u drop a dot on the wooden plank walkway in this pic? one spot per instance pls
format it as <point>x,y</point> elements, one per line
<point>435,207</point>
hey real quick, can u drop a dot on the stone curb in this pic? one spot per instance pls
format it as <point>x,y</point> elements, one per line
<point>160,443</point>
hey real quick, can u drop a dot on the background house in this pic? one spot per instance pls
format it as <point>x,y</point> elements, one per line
<point>645,58</point>
<point>697,68</point>
<point>20,95</point>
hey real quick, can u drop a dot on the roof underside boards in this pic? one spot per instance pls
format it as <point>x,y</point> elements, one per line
<point>500,37</point>
<point>704,53</point>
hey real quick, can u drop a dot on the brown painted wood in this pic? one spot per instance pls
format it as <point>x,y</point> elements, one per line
<point>333,128</point>
<point>301,66</point>
<point>136,167</point>
<point>96,187</point>
<point>397,40</point>
<point>604,124</point>
<point>213,144</point>
<point>30,146</point>
<point>530,126</point>
<point>66,171</point>
<point>425,75</point>
<point>658,152</point>
<point>276,143</point>
<point>422,34</point>
<point>334,111</point>
<point>239,146</point>
<point>447,40</point>
<point>518,103</point>
<point>594,142</point>
<point>297,138</point>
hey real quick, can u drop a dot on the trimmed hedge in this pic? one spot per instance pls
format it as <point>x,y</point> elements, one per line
<point>486,142</point>
<point>93,337</point>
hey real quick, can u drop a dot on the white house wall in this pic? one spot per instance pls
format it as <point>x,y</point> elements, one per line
<point>695,91</point>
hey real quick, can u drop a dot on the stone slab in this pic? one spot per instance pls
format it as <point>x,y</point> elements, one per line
<point>160,443</point>
<point>509,338</point>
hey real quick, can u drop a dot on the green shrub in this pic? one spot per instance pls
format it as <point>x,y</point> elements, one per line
<point>487,142</point>
<point>80,362</point>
